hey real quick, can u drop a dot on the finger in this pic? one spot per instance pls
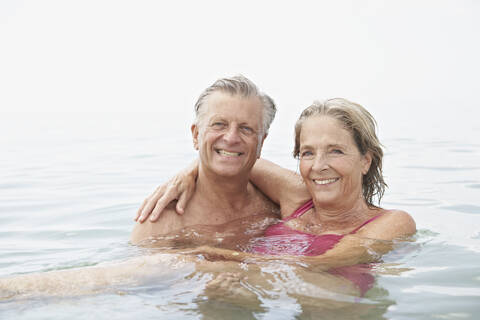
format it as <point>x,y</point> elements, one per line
<point>148,204</point>
<point>185,197</point>
<point>139,211</point>
<point>152,201</point>
<point>162,203</point>
<point>182,202</point>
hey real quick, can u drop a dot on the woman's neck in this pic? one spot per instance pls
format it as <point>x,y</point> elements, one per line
<point>345,216</point>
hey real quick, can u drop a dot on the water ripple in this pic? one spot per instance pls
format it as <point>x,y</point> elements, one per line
<point>421,202</point>
<point>465,208</point>
<point>432,168</point>
<point>450,291</point>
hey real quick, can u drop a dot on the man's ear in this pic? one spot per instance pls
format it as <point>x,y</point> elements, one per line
<point>194,129</point>
<point>366,162</point>
<point>260,146</point>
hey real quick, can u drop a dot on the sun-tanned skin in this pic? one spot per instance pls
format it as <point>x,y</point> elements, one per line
<point>330,175</point>
<point>228,140</point>
<point>331,168</point>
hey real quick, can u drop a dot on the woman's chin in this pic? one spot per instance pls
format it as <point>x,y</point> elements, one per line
<point>326,200</point>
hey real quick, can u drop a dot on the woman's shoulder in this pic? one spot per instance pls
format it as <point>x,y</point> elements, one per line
<point>400,217</point>
<point>391,224</point>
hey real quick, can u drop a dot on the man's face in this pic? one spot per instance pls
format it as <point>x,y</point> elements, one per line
<point>228,135</point>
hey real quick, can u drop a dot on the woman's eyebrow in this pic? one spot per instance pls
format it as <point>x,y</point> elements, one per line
<point>336,145</point>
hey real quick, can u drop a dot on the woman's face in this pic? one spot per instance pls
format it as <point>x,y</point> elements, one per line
<point>330,163</point>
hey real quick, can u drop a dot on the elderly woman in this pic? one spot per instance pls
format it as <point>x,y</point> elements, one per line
<point>340,161</point>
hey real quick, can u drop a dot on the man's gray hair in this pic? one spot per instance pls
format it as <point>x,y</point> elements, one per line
<point>238,85</point>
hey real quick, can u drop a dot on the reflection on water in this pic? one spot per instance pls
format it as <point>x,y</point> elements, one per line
<point>68,199</point>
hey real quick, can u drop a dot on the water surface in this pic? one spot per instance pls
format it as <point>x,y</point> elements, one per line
<point>71,183</point>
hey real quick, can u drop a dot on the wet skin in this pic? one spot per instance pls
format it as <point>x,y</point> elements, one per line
<point>228,136</point>
<point>331,164</point>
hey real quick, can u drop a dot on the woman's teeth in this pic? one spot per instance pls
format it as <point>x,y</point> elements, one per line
<point>326,181</point>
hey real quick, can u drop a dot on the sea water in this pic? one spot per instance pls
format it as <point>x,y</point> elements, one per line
<point>70,185</point>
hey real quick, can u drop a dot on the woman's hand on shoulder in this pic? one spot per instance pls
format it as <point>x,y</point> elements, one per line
<point>181,187</point>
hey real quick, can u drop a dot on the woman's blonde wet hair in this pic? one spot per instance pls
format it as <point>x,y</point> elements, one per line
<point>360,123</point>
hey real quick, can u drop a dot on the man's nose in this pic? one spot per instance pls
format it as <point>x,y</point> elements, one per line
<point>232,134</point>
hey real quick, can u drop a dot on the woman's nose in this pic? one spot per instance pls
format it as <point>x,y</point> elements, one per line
<point>320,162</point>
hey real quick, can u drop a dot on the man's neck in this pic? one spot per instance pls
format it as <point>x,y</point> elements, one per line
<point>227,193</point>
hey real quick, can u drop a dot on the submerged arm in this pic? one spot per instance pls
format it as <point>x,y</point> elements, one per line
<point>350,251</point>
<point>367,245</point>
<point>370,243</point>
<point>88,280</point>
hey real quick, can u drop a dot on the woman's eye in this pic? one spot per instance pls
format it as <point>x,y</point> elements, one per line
<point>337,151</point>
<point>306,154</point>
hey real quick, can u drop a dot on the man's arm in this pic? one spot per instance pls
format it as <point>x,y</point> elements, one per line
<point>92,280</point>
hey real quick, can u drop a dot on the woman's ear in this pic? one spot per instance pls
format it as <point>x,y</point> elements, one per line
<point>194,129</point>
<point>366,162</point>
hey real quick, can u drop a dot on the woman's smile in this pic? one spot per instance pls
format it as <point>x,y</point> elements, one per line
<point>325,181</point>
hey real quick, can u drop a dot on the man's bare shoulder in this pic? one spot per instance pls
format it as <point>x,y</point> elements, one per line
<point>168,222</point>
<point>263,204</point>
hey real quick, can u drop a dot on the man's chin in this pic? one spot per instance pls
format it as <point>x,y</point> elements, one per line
<point>230,171</point>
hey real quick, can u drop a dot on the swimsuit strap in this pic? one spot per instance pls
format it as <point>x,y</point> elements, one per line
<point>309,204</point>
<point>368,221</point>
<point>304,208</point>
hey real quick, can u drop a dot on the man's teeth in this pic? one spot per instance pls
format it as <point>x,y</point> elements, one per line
<point>227,153</point>
<point>325,181</point>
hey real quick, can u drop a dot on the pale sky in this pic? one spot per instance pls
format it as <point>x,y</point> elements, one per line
<point>139,56</point>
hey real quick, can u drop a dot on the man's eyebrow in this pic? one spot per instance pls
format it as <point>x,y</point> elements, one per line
<point>216,117</point>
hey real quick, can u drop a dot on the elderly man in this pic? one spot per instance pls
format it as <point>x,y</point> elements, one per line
<point>232,121</point>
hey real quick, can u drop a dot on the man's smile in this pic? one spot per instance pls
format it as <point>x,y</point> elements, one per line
<point>228,153</point>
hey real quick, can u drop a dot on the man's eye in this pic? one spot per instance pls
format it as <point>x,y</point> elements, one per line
<point>218,124</point>
<point>246,129</point>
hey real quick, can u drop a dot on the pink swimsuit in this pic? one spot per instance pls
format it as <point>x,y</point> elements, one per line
<point>280,239</point>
